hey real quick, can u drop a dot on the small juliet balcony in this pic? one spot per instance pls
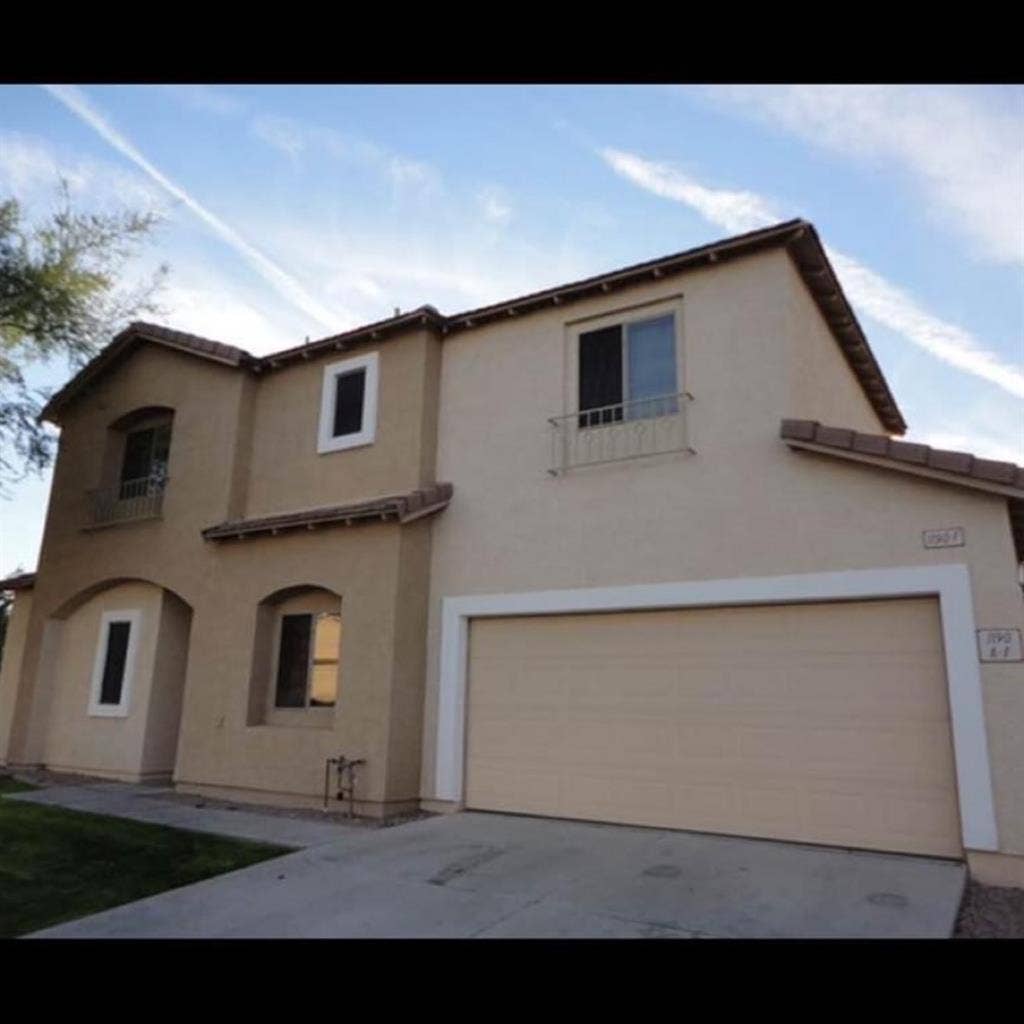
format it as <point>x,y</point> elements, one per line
<point>613,433</point>
<point>127,500</point>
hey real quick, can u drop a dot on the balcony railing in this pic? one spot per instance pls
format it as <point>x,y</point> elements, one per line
<point>130,499</point>
<point>628,430</point>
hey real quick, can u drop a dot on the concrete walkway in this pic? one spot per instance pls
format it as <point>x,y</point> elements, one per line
<point>160,806</point>
<point>490,875</point>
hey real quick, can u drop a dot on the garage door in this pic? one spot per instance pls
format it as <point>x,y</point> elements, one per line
<point>819,723</point>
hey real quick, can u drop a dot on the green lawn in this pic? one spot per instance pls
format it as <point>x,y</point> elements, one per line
<point>56,865</point>
<point>9,784</point>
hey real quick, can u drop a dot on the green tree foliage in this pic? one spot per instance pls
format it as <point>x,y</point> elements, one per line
<point>61,298</point>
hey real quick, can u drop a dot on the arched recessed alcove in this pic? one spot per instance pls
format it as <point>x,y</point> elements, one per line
<point>113,660</point>
<point>295,677</point>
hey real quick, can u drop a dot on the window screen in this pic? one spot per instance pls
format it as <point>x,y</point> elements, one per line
<point>601,376</point>
<point>323,687</point>
<point>651,348</point>
<point>350,390</point>
<point>293,661</point>
<point>114,665</point>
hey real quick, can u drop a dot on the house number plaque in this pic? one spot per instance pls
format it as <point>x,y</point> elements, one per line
<point>951,537</point>
<point>999,645</point>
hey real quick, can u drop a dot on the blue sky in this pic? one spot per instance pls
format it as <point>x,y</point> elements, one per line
<point>305,210</point>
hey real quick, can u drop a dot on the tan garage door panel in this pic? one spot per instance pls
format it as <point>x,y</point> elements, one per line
<point>823,723</point>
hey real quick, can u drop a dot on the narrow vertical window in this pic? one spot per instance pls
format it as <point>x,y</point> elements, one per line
<point>115,662</point>
<point>293,661</point>
<point>323,687</point>
<point>601,376</point>
<point>112,666</point>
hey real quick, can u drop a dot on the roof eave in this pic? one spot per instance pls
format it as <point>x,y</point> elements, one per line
<point>812,263</point>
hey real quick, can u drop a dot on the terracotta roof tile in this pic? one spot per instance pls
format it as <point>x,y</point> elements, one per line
<point>997,472</point>
<point>866,444</point>
<point>950,462</point>
<point>133,335</point>
<point>400,507</point>
<point>22,581</point>
<point>956,464</point>
<point>905,451</point>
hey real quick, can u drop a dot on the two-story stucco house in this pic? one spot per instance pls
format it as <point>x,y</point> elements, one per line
<point>637,549</point>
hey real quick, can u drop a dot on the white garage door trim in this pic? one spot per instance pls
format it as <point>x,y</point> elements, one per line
<point>949,583</point>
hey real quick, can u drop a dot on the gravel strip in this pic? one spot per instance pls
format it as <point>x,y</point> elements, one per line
<point>43,777</point>
<point>990,912</point>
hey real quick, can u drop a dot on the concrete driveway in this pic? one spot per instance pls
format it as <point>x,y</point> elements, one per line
<point>503,876</point>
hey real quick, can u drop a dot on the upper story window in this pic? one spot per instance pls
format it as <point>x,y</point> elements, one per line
<point>348,404</point>
<point>134,471</point>
<point>144,464</point>
<point>623,390</point>
<point>628,371</point>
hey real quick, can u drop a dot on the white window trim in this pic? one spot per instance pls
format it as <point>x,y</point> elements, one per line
<point>951,584</point>
<point>326,441</point>
<point>133,616</point>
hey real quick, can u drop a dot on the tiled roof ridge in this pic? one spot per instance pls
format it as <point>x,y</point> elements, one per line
<point>882,446</point>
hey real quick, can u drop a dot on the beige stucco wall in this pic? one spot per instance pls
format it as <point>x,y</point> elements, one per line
<point>219,747</point>
<point>744,505</point>
<point>242,445</point>
<point>167,689</point>
<point>822,384</point>
<point>11,664</point>
<point>287,472</point>
<point>78,741</point>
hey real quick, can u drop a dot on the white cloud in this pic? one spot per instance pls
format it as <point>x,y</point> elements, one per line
<point>495,205</point>
<point>215,311</point>
<point>209,100</point>
<point>890,306</point>
<point>443,259</point>
<point>295,138</point>
<point>965,154</point>
<point>279,132</point>
<point>871,294</point>
<point>283,282</point>
<point>735,211</point>
<point>31,170</point>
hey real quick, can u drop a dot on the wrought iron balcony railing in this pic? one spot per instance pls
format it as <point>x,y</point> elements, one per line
<point>611,433</point>
<point>130,499</point>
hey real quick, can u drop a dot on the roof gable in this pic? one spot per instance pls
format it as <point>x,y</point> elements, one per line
<point>797,237</point>
<point>134,335</point>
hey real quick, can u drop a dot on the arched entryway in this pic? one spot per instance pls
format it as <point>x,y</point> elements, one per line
<point>113,662</point>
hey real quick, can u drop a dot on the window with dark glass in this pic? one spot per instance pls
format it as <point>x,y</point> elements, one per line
<point>114,664</point>
<point>350,392</point>
<point>307,664</point>
<point>628,371</point>
<point>144,466</point>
